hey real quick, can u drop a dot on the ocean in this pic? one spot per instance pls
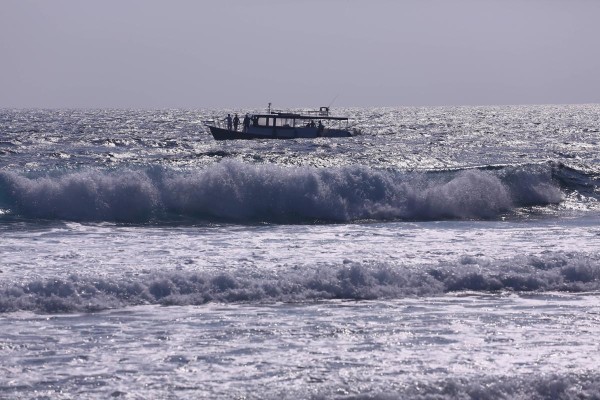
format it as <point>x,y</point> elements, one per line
<point>444,253</point>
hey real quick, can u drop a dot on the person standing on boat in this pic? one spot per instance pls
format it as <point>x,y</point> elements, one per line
<point>246,123</point>
<point>228,120</point>
<point>236,122</point>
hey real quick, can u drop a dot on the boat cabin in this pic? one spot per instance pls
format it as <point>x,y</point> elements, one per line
<point>291,120</point>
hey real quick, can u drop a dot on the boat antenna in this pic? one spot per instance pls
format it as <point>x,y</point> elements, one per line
<point>334,99</point>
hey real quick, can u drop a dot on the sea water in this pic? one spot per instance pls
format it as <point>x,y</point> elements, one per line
<point>443,253</point>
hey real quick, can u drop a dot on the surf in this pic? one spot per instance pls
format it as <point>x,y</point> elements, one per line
<point>237,192</point>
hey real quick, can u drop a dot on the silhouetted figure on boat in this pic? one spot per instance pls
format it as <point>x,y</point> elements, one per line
<point>228,120</point>
<point>246,123</point>
<point>236,122</point>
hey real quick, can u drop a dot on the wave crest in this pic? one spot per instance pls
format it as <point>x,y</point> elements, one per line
<point>569,272</point>
<point>238,192</point>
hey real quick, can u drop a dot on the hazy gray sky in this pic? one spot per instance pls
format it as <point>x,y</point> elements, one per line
<point>245,53</point>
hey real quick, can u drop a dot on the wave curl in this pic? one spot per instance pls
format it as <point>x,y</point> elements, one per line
<point>242,193</point>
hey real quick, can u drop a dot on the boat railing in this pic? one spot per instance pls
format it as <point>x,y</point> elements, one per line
<point>321,112</point>
<point>212,122</point>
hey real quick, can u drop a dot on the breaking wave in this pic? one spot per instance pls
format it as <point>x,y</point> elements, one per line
<point>558,271</point>
<point>581,385</point>
<point>232,191</point>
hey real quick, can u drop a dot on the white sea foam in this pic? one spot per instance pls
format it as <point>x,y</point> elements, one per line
<point>570,272</point>
<point>539,346</point>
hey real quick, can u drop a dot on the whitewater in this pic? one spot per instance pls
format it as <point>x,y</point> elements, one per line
<point>444,253</point>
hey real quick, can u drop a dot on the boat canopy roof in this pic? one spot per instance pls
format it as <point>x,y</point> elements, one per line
<point>290,115</point>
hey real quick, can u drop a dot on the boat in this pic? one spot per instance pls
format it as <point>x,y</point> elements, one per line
<point>276,124</point>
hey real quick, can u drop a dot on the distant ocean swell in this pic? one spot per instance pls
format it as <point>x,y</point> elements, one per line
<point>242,193</point>
<point>558,271</point>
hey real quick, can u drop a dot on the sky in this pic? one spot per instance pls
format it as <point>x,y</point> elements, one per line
<point>296,53</point>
